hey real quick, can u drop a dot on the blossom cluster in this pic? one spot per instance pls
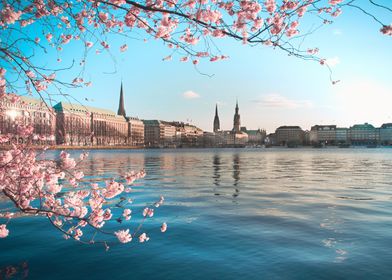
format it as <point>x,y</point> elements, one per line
<point>55,189</point>
<point>186,26</point>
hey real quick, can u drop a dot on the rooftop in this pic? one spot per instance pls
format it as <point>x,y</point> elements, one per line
<point>81,109</point>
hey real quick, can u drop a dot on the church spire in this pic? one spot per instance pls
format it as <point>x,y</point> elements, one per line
<point>237,120</point>
<point>216,120</point>
<point>121,108</point>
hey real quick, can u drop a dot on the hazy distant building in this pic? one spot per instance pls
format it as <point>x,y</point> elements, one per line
<point>364,134</point>
<point>386,134</point>
<point>270,140</point>
<point>187,135</point>
<point>28,111</point>
<point>342,135</point>
<point>306,138</point>
<point>289,135</point>
<point>236,137</point>
<point>255,137</point>
<point>209,139</point>
<point>158,133</point>
<point>135,132</point>
<point>216,120</point>
<point>325,134</point>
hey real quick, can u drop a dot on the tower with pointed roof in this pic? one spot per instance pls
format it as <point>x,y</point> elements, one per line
<point>216,120</point>
<point>121,106</point>
<point>237,120</point>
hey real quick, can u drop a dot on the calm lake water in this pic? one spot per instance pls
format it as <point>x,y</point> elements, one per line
<point>232,214</point>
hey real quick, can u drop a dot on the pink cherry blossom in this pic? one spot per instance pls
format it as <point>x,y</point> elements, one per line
<point>148,212</point>
<point>312,51</point>
<point>3,231</point>
<point>123,48</point>
<point>9,15</point>
<point>105,45</point>
<point>78,175</point>
<point>334,2</point>
<point>123,236</point>
<point>30,74</point>
<point>163,227</point>
<point>386,30</point>
<point>113,189</point>
<point>127,214</point>
<point>270,5</point>
<point>103,16</point>
<point>169,57</point>
<point>83,155</point>
<point>143,238</point>
<point>336,13</point>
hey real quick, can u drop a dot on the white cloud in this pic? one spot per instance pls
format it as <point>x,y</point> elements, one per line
<point>333,61</point>
<point>190,94</point>
<point>278,101</point>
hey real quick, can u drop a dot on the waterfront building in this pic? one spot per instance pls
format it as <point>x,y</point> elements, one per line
<point>79,125</point>
<point>216,120</point>
<point>209,139</point>
<point>270,140</point>
<point>236,137</point>
<point>386,134</point>
<point>158,133</point>
<point>28,111</point>
<point>289,135</point>
<point>322,134</point>
<point>73,125</point>
<point>342,135</point>
<point>108,128</point>
<point>237,120</point>
<point>135,132</point>
<point>187,135</point>
<point>306,137</point>
<point>364,134</point>
<point>255,137</point>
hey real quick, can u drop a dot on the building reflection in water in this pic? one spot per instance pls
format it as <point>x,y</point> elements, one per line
<point>105,166</point>
<point>216,165</point>
<point>217,174</point>
<point>236,174</point>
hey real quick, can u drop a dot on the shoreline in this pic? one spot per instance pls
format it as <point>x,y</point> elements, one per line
<point>60,147</point>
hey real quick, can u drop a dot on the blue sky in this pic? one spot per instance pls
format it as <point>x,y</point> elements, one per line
<point>272,88</point>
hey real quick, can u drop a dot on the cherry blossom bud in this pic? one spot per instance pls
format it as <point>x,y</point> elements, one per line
<point>3,231</point>
<point>163,227</point>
